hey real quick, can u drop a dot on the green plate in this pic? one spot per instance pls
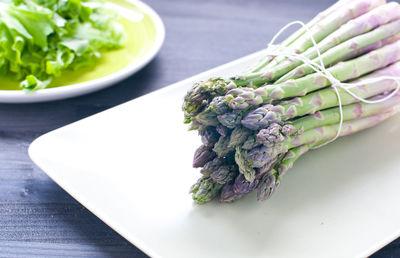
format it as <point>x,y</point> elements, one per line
<point>145,35</point>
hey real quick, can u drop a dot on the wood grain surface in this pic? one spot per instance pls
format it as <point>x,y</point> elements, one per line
<point>38,218</point>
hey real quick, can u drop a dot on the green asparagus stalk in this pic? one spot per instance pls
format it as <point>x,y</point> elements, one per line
<point>292,156</point>
<point>322,99</point>
<point>287,162</point>
<point>349,112</point>
<point>354,68</point>
<point>339,52</point>
<point>316,20</point>
<point>372,47</point>
<point>300,32</point>
<point>330,24</point>
<point>347,39</point>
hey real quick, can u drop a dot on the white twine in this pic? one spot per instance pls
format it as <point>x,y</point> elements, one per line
<point>277,50</point>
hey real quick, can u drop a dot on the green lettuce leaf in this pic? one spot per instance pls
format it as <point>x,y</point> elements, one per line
<point>41,38</point>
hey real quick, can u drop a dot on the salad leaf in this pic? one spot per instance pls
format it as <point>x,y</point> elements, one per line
<point>41,38</point>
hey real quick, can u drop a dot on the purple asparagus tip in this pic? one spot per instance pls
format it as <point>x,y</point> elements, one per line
<point>242,186</point>
<point>230,119</point>
<point>271,135</point>
<point>210,166</point>
<point>267,187</point>
<point>203,155</point>
<point>222,130</point>
<point>262,117</point>
<point>223,174</point>
<point>228,195</point>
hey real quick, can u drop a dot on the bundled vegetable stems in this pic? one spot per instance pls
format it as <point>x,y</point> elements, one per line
<point>255,125</point>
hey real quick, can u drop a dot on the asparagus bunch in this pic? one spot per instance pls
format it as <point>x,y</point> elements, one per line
<point>256,125</point>
<point>229,109</point>
<point>269,151</point>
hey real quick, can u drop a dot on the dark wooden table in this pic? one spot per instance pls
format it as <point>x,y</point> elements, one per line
<point>37,217</point>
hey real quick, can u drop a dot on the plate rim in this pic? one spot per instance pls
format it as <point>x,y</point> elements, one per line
<point>74,90</point>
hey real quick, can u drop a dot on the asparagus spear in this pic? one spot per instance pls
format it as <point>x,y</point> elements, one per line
<point>319,100</point>
<point>316,20</point>
<point>349,112</point>
<point>291,156</point>
<point>212,166</point>
<point>330,24</point>
<point>224,174</point>
<point>357,27</point>
<point>222,146</point>
<point>203,155</point>
<point>242,98</point>
<point>200,94</point>
<point>372,47</point>
<point>239,135</point>
<point>228,195</point>
<point>300,32</point>
<point>240,187</point>
<point>205,190</point>
<point>339,52</point>
<point>215,174</point>
<point>271,180</point>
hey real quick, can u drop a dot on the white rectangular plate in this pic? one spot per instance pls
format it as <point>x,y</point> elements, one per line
<point>131,166</point>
